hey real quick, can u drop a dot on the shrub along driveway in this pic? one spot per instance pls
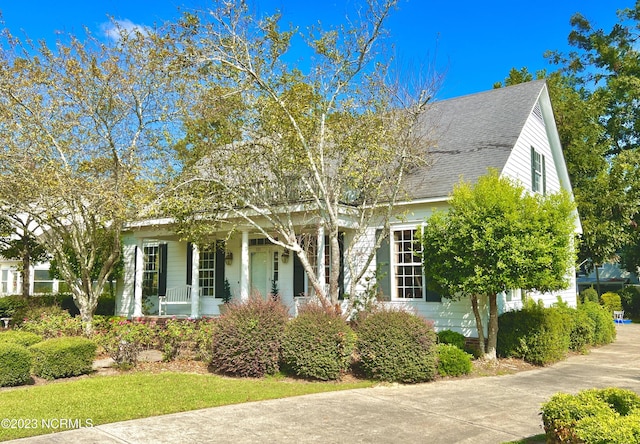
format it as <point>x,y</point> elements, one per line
<point>479,410</point>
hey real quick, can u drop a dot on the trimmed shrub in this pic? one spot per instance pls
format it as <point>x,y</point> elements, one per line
<point>630,298</point>
<point>452,361</point>
<point>583,331</point>
<point>10,306</point>
<point>590,295</point>
<point>611,302</point>
<point>397,346</point>
<point>318,344</point>
<point>593,416</point>
<point>537,335</point>
<point>20,337</point>
<point>15,364</point>
<point>247,339</point>
<point>63,357</point>
<point>452,337</point>
<point>605,330</point>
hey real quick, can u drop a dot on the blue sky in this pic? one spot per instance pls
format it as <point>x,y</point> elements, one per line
<point>474,44</point>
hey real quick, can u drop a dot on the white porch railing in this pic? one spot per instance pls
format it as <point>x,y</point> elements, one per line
<point>174,296</point>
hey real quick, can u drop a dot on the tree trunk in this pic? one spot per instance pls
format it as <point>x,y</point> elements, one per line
<point>479,326</point>
<point>26,273</point>
<point>334,278</point>
<point>493,328</point>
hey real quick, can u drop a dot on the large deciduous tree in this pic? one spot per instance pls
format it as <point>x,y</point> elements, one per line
<point>495,238</point>
<point>296,150</point>
<point>81,126</point>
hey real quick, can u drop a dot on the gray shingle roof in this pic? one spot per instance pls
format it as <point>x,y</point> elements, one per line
<point>471,134</point>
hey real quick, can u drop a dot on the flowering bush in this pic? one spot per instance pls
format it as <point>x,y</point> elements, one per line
<point>123,340</point>
<point>52,323</point>
<point>178,336</point>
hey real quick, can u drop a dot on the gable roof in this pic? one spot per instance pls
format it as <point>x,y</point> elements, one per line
<point>471,134</point>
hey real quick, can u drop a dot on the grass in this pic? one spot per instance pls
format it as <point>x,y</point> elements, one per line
<point>105,399</point>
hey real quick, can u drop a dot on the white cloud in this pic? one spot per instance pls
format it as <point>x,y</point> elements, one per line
<point>114,29</point>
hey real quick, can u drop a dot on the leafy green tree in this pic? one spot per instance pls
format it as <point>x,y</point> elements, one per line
<point>83,127</point>
<point>294,154</point>
<point>495,237</point>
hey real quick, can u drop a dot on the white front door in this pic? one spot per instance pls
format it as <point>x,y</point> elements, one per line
<point>260,272</point>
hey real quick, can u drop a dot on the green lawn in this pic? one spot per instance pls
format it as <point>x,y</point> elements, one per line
<point>104,399</point>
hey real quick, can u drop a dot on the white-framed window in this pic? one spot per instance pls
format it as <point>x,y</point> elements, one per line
<point>538,173</point>
<point>151,268</point>
<point>408,273</point>
<point>9,281</point>
<point>207,271</point>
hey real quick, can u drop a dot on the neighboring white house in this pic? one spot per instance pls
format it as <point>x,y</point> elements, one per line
<point>510,129</point>
<point>39,280</point>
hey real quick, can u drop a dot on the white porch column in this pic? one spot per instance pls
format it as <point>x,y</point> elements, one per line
<point>244,267</point>
<point>137,289</point>
<point>195,282</point>
<point>320,259</point>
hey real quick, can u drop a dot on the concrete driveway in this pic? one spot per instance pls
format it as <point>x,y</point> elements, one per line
<point>480,410</point>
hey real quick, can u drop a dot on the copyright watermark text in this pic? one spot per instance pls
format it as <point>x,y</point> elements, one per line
<point>46,423</point>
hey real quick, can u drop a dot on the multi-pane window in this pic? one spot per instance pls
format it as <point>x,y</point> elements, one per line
<point>9,281</point>
<point>42,282</point>
<point>538,179</point>
<point>151,267</point>
<point>207,272</point>
<point>408,265</point>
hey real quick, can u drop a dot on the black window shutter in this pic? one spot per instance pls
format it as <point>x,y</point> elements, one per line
<point>189,263</point>
<point>298,276</point>
<point>219,277</point>
<point>383,269</point>
<point>162,276</point>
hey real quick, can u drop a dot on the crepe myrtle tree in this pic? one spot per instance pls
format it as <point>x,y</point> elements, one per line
<point>497,237</point>
<point>81,127</point>
<point>295,155</point>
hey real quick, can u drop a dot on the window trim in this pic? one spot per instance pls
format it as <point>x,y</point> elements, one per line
<point>393,262</point>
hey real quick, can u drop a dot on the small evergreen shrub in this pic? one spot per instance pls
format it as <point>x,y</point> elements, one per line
<point>10,306</point>
<point>583,331</point>
<point>452,337</point>
<point>318,344</point>
<point>593,416</point>
<point>630,298</point>
<point>452,361</point>
<point>63,357</point>
<point>19,337</point>
<point>537,335</point>
<point>15,364</point>
<point>605,330</point>
<point>247,339</point>
<point>611,302</point>
<point>397,346</point>
<point>589,295</point>
<point>178,337</point>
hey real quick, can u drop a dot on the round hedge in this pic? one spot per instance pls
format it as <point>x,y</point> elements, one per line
<point>452,361</point>
<point>63,357</point>
<point>318,344</point>
<point>247,339</point>
<point>15,364</point>
<point>397,346</point>
<point>451,337</point>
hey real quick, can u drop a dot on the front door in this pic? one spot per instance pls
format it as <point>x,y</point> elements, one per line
<point>260,272</point>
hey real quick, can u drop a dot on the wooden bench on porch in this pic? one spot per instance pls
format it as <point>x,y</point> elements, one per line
<point>174,296</point>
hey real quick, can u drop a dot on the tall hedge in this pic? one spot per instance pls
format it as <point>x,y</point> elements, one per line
<point>63,357</point>
<point>397,346</point>
<point>605,330</point>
